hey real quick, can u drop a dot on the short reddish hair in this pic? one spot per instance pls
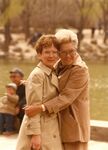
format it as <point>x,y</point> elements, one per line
<point>46,41</point>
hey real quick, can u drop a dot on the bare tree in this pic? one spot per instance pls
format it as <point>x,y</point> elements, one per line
<point>50,14</point>
<point>7,34</point>
<point>26,16</point>
<point>9,9</point>
<point>83,9</point>
<point>104,8</point>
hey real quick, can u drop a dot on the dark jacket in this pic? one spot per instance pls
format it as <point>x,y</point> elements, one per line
<point>22,100</point>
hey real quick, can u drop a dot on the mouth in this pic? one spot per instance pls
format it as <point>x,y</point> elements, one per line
<point>51,60</point>
<point>68,59</point>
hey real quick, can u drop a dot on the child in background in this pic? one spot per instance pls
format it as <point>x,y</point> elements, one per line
<point>8,105</point>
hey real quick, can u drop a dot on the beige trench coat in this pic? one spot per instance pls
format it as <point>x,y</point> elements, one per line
<point>40,88</point>
<point>73,102</point>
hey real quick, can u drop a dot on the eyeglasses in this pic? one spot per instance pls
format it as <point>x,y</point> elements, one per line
<point>69,52</point>
<point>51,53</point>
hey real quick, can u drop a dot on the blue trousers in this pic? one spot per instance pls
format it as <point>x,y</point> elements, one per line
<point>7,122</point>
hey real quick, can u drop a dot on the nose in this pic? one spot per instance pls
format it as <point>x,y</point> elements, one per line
<point>68,54</point>
<point>51,54</point>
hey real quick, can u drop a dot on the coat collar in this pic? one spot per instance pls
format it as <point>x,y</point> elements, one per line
<point>45,69</point>
<point>50,73</point>
<point>78,62</point>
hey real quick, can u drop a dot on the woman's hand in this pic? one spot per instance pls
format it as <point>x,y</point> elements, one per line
<point>35,142</point>
<point>24,82</point>
<point>32,110</point>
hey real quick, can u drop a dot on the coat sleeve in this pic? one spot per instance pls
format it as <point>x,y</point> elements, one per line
<point>13,98</point>
<point>34,90</point>
<point>77,82</point>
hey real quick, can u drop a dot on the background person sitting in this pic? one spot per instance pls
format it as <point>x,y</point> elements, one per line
<point>16,76</point>
<point>8,105</point>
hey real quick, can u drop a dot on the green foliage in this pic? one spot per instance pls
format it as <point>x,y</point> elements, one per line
<point>53,13</point>
<point>11,10</point>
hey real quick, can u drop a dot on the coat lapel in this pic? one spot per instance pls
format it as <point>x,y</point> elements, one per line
<point>50,73</point>
<point>54,79</point>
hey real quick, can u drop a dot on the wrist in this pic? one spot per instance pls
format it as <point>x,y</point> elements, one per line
<point>43,108</point>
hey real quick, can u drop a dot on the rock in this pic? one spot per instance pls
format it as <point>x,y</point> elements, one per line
<point>2,54</point>
<point>22,51</point>
<point>94,51</point>
<point>94,41</point>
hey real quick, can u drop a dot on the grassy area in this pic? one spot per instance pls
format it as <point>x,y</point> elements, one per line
<point>99,91</point>
<point>98,85</point>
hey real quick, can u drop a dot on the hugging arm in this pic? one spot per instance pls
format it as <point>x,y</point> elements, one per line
<point>77,82</point>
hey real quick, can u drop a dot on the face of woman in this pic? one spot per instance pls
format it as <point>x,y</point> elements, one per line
<point>49,56</point>
<point>67,53</point>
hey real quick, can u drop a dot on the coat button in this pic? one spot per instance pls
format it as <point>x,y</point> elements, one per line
<point>54,136</point>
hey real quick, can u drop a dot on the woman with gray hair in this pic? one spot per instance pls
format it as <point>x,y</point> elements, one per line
<point>73,99</point>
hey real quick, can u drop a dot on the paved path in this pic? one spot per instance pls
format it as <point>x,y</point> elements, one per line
<point>8,143</point>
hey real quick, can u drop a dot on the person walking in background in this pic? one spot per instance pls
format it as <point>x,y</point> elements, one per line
<point>93,29</point>
<point>16,76</point>
<point>8,105</point>
<point>73,99</point>
<point>34,38</point>
<point>41,131</point>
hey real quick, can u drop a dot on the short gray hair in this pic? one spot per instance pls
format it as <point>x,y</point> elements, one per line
<point>66,34</point>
